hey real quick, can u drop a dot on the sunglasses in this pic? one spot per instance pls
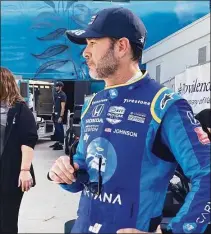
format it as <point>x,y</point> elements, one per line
<point>82,176</point>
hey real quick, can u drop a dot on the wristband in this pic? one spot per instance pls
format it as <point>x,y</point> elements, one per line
<point>25,169</point>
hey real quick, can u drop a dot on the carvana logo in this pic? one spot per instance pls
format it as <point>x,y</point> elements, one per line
<point>101,148</point>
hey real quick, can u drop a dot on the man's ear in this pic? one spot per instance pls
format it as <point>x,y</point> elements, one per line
<point>123,47</point>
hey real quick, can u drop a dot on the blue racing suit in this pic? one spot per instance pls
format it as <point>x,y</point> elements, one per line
<point>127,126</point>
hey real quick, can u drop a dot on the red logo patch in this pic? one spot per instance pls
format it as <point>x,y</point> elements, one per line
<point>202,136</point>
<point>108,129</point>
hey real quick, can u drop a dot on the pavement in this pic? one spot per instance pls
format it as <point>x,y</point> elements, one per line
<point>46,207</point>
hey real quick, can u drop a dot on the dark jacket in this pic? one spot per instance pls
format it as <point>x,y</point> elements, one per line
<point>204,118</point>
<point>20,130</point>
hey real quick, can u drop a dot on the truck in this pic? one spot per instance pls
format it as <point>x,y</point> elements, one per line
<point>35,48</point>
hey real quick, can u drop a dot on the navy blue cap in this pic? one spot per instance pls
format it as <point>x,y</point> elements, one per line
<point>59,84</point>
<point>112,22</point>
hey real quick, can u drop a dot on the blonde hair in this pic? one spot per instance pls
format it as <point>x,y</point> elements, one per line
<point>9,91</point>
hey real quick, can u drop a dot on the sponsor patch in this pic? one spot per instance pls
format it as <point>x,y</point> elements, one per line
<point>113,93</point>
<point>115,114</point>
<point>189,227</point>
<point>97,120</point>
<point>96,228</point>
<point>125,132</point>
<point>137,117</point>
<point>91,128</point>
<point>113,121</point>
<point>167,97</point>
<point>192,119</point>
<point>108,130</point>
<point>92,19</point>
<point>97,110</point>
<point>205,214</point>
<point>86,137</point>
<point>78,32</point>
<point>135,101</point>
<point>119,110</point>
<point>108,198</point>
<point>99,101</point>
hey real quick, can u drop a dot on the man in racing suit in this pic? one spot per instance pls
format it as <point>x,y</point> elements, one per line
<point>134,133</point>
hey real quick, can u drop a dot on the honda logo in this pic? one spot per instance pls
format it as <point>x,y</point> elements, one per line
<point>97,111</point>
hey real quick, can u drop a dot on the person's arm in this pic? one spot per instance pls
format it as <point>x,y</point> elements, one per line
<point>27,157</point>
<point>191,148</point>
<point>27,128</point>
<point>25,177</point>
<point>28,139</point>
<point>63,103</point>
<point>62,109</point>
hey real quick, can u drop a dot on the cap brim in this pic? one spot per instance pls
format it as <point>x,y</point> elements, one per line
<point>80,36</point>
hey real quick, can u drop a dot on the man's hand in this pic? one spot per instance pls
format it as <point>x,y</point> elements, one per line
<point>62,171</point>
<point>133,230</point>
<point>129,230</point>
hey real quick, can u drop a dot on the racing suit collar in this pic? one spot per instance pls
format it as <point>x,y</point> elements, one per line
<point>138,76</point>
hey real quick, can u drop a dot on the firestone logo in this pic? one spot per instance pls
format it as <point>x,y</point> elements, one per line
<point>137,102</point>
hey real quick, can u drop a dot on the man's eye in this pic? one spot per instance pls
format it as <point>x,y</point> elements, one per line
<point>92,43</point>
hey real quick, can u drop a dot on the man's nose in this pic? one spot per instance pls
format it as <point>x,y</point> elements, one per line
<point>86,53</point>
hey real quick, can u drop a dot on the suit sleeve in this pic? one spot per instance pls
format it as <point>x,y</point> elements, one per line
<point>184,136</point>
<point>80,159</point>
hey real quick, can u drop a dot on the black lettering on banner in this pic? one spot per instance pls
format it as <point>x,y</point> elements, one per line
<point>196,87</point>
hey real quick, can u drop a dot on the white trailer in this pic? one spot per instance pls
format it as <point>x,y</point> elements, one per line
<point>40,93</point>
<point>42,106</point>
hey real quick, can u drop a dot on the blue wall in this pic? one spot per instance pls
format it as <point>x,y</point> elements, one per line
<point>33,41</point>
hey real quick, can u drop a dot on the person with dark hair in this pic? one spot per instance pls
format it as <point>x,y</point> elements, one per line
<point>18,138</point>
<point>204,117</point>
<point>58,115</point>
<point>134,133</point>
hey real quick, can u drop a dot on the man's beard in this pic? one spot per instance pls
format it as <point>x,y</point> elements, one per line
<point>106,66</point>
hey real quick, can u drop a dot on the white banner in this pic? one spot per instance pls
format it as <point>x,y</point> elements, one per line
<point>194,86</point>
